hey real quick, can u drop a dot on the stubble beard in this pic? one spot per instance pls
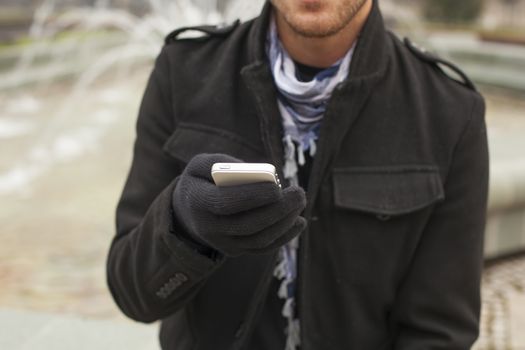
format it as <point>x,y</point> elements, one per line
<point>331,26</point>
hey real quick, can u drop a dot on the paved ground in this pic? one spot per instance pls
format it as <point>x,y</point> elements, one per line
<point>61,171</point>
<point>23,330</point>
<point>503,314</point>
<point>65,157</point>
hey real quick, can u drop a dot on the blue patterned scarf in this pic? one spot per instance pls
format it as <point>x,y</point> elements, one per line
<point>302,106</point>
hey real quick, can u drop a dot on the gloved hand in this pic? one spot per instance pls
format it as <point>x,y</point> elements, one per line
<point>251,218</point>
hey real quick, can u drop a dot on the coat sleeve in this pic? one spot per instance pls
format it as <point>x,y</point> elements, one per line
<point>438,303</point>
<point>151,270</point>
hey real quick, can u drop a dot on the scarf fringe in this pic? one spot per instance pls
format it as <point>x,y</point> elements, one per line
<point>313,147</point>
<point>293,332</point>
<point>300,155</point>
<point>290,165</point>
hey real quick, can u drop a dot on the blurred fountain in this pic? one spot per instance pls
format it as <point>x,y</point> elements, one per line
<point>127,40</point>
<point>140,36</point>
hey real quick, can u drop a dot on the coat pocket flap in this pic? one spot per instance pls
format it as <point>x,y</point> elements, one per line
<point>387,190</point>
<point>188,140</point>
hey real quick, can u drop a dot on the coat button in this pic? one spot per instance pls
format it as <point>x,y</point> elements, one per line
<point>383,217</point>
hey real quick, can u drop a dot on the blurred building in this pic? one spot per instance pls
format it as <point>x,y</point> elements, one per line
<point>504,13</point>
<point>496,13</point>
<point>16,16</point>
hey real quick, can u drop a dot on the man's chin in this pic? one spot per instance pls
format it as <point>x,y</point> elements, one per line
<point>312,27</point>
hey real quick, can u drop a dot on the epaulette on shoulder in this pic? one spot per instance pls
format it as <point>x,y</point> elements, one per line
<point>200,32</point>
<point>443,65</point>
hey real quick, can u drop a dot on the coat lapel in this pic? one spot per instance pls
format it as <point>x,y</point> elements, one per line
<point>258,79</point>
<point>344,108</point>
<point>257,76</point>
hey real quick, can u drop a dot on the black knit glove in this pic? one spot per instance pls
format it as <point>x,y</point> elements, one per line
<point>251,218</point>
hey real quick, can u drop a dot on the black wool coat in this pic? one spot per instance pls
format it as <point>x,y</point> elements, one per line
<point>392,256</point>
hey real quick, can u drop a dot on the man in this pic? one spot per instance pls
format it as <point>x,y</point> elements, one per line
<point>392,154</point>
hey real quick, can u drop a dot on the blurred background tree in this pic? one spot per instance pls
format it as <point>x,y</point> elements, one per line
<point>452,11</point>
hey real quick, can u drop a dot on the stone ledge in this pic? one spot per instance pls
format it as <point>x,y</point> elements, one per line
<point>25,330</point>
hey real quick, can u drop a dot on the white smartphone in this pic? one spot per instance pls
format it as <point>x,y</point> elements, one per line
<point>232,174</point>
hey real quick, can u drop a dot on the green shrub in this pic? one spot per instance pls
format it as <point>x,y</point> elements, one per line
<point>452,11</point>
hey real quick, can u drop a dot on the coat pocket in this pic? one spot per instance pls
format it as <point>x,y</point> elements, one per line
<point>379,216</point>
<point>188,140</point>
<point>387,191</point>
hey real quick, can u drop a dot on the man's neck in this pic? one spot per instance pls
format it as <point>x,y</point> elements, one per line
<point>321,52</point>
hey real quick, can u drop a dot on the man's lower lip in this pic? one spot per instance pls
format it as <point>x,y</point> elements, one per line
<point>310,3</point>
